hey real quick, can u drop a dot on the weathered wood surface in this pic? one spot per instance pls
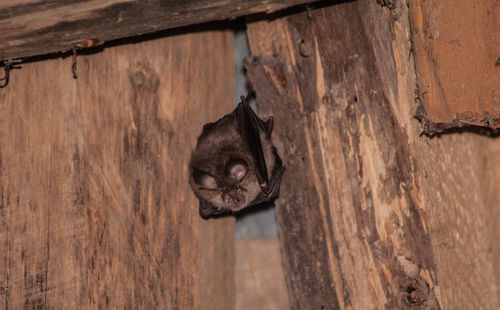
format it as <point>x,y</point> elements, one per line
<point>457,55</point>
<point>495,159</point>
<point>96,210</point>
<point>371,215</point>
<point>30,27</point>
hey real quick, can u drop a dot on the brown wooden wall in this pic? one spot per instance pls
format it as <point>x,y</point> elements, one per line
<point>95,208</point>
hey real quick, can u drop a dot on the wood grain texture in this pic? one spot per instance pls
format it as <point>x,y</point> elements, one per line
<point>495,212</point>
<point>457,54</point>
<point>96,211</point>
<point>371,214</point>
<point>29,28</point>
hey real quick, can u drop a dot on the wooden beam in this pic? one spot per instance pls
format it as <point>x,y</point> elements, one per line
<point>96,210</point>
<point>371,214</point>
<point>457,55</point>
<point>29,28</point>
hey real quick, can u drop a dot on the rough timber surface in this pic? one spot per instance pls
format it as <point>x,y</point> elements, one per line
<point>96,211</point>
<point>457,53</point>
<point>29,27</point>
<point>371,214</point>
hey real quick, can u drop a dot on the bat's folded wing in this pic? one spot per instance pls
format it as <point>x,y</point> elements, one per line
<point>249,125</point>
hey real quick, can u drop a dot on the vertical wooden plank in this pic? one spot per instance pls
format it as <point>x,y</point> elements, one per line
<point>26,148</point>
<point>372,215</point>
<point>494,215</point>
<point>97,209</point>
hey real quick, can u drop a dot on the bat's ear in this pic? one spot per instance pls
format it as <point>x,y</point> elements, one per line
<point>207,210</point>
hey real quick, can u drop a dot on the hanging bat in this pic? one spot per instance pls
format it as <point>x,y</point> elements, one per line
<point>235,165</point>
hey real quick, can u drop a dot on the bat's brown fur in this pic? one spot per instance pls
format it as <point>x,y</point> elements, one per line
<point>219,143</point>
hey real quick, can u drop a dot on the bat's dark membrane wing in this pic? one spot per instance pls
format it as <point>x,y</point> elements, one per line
<point>249,124</point>
<point>274,183</point>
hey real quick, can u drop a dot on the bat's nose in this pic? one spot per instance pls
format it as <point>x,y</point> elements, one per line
<point>235,199</point>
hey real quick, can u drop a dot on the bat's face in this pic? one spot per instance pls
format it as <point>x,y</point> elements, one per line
<point>228,183</point>
<point>234,164</point>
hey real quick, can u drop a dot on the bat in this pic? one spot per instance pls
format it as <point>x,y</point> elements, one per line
<point>235,164</point>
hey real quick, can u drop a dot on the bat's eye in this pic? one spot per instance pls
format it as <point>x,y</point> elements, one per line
<point>208,182</point>
<point>204,180</point>
<point>237,169</point>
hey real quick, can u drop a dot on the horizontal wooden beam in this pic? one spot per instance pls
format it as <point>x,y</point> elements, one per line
<point>29,28</point>
<point>457,55</point>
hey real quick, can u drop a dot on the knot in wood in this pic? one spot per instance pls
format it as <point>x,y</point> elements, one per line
<point>138,78</point>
